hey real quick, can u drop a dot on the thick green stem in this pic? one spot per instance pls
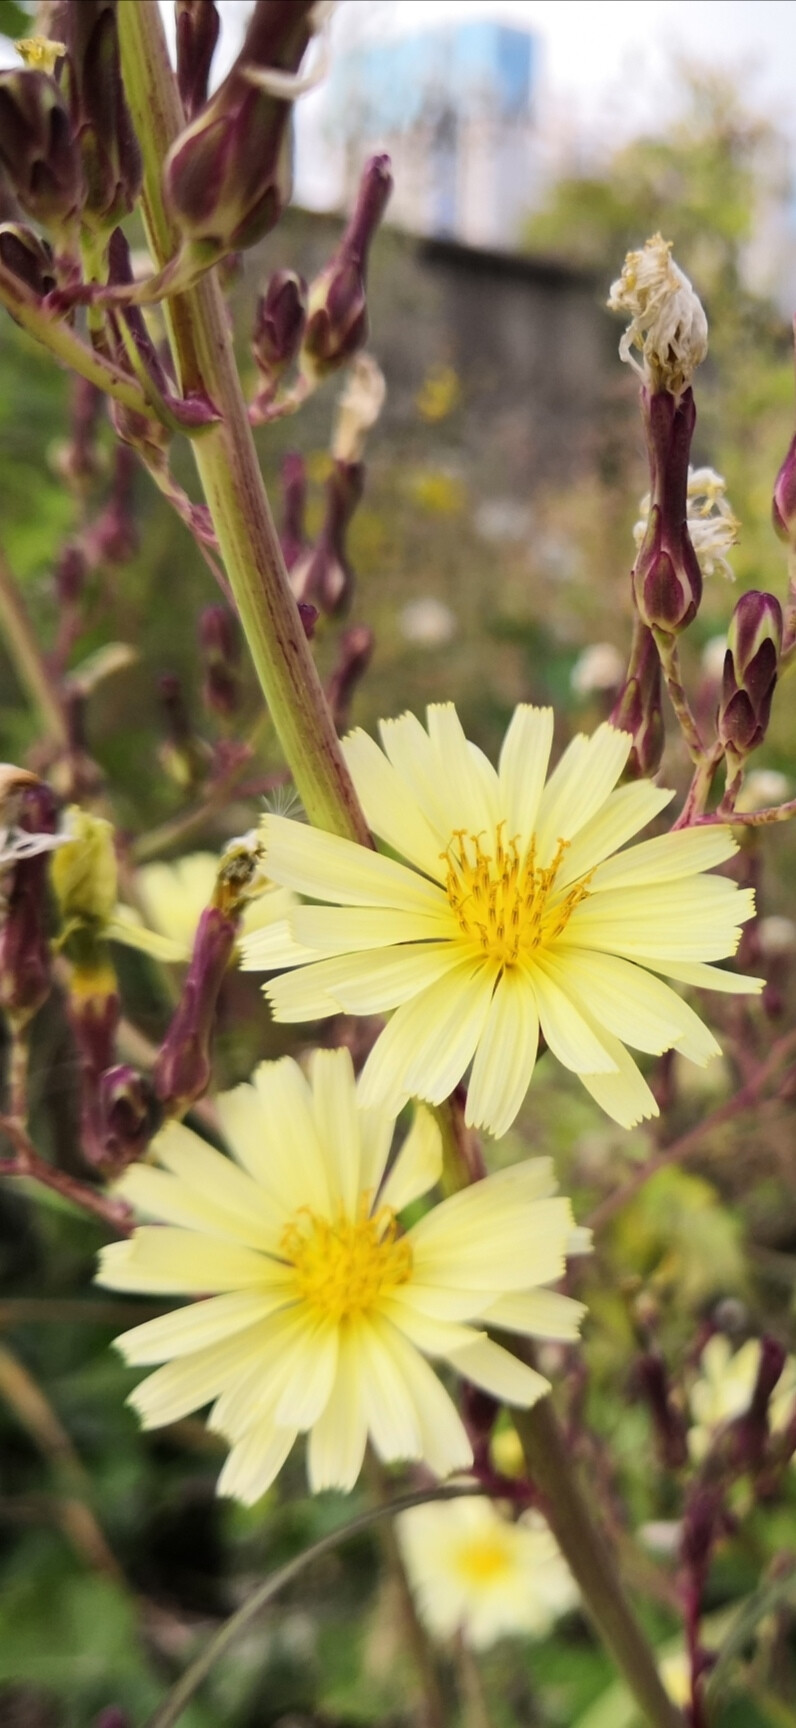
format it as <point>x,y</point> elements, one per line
<point>590,1561</point>
<point>227,462</point>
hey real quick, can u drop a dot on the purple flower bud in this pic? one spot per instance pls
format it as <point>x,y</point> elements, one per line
<point>94,1008</point>
<point>279,323</point>
<point>754,644</point>
<point>337,322</point>
<point>324,575</point>
<point>37,149</point>
<point>638,707</point>
<point>25,961</point>
<point>667,580</point>
<point>309,616</point>
<point>113,538</point>
<point>29,258</point>
<point>184,1064</point>
<point>355,653</point>
<point>227,177</point>
<point>91,79</point>
<point>783,509</point>
<point>197,25</point>
<point>130,1114</point>
<point>70,574</point>
<point>747,1436</point>
<point>220,639</point>
<point>294,497</point>
<point>143,431</point>
<point>650,1377</point>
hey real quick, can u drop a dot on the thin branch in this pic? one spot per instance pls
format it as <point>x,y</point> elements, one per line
<point>188,1685</point>
<point>28,1163</point>
<point>23,648</point>
<point>61,341</point>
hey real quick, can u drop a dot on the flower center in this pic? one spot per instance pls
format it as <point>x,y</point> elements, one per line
<point>344,1268</point>
<point>483,1559</point>
<point>502,899</point>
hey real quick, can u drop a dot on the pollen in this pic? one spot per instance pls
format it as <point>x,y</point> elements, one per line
<point>503,899</point>
<point>342,1269</point>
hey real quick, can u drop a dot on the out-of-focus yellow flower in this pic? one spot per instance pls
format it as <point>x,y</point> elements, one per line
<point>439,393</point>
<point>319,1309</point>
<point>724,1390</point>
<point>476,1572</point>
<point>509,910</point>
<point>175,895</point>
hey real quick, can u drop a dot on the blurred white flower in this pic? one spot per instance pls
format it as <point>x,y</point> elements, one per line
<point>712,658</point>
<point>428,622</point>
<point>711,524</point>
<point>599,667</point>
<point>776,935</point>
<point>724,1389</point>
<point>358,408</point>
<point>474,1571</point>
<point>667,319</point>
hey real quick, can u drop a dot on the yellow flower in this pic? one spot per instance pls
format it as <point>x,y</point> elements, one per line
<point>509,915</point>
<point>320,1310</point>
<point>724,1390</point>
<point>474,1571</point>
<point>175,895</point>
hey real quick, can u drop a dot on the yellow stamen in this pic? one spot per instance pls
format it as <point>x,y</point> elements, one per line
<point>342,1269</point>
<point>505,901</point>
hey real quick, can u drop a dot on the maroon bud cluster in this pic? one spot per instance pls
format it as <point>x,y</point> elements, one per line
<point>324,575</point>
<point>91,80</point>
<point>667,580</point>
<point>751,664</point>
<point>130,1115</point>
<point>28,257</point>
<point>337,322</point>
<point>37,148</point>
<point>197,28</point>
<point>221,645</point>
<point>279,322</point>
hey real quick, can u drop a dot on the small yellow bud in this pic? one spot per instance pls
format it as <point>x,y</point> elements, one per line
<point>84,872</point>
<point>40,53</point>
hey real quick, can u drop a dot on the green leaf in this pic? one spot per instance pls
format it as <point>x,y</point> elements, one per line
<point>14,19</point>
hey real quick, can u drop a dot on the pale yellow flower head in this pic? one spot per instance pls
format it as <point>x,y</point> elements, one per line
<point>509,911</point>
<point>475,1571</point>
<point>321,1314</point>
<point>724,1387</point>
<point>175,895</point>
<point>712,526</point>
<point>667,319</point>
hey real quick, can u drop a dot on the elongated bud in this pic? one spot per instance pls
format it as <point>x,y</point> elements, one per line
<point>130,1114</point>
<point>292,537</point>
<point>227,177</point>
<point>324,576</point>
<point>667,579</point>
<point>668,1422</point>
<point>220,638</point>
<point>37,149</point>
<point>754,644</point>
<point>92,82</point>
<point>113,537</point>
<point>197,27</point>
<point>30,258</point>
<point>354,656</point>
<point>748,1434</point>
<point>337,321</point>
<point>638,708</point>
<point>25,961</point>
<point>184,1065</point>
<point>279,323</point>
<point>94,1010</point>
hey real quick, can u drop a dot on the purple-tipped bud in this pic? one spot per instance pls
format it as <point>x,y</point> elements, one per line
<point>667,580</point>
<point>354,657</point>
<point>25,960</point>
<point>227,177</point>
<point>91,79</point>
<point>221,643</point>
<point>309,616</point>
<point>754,644</point>
<point>29,258</point>
<point>294,498</point>
<point>279,323</point>
<point>668,1422</point>
<point>324,575</point>
<point>197,27</point>
<point>337,322</point>
<point>130,1114</point>
<point>37,149</point>
<point>184,1064</point>
<point>638,708</point>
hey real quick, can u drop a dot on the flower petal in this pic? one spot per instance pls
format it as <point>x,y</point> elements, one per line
<point>390,809</point>
<point>418,1165</point>
<point>331,930</point>
<point>309,1377</point>
<point>256,1461</point>
<point>329,868</point>
<point>192,1328</point>
<point>585,776</point>
<point>704,977</point>
<point>631,1003</point>
<point>389,1408</point>
<point>369,983</point>
<point>271,1129</point>
<point>409,749</point>
<point>506,1054</point>
<point>442,1433</point>
<point>188,1384</point>
<point>334,1106</point>
<point>496,1371</point>
<point>426,1046</point>
<point>685,852</point>
<point>624,812</point>
<point>462,785</point>
<point>227,1189</point>
<point>538,1313</point>
<point>624,1095</point>
<point>337,1441</point>
<point>569,1034</point>
<point>523,765</point>
<point>168,1262</point>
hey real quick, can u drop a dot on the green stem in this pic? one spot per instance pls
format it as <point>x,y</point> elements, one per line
<point>23,648</point>
<point>227,462</point>
<point>590,1562</point>
<point>670,663</point>
<point>188,1685</point>
<point>57,336</point>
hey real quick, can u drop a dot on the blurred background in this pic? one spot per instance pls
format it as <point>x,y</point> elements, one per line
<point>532,144</point>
